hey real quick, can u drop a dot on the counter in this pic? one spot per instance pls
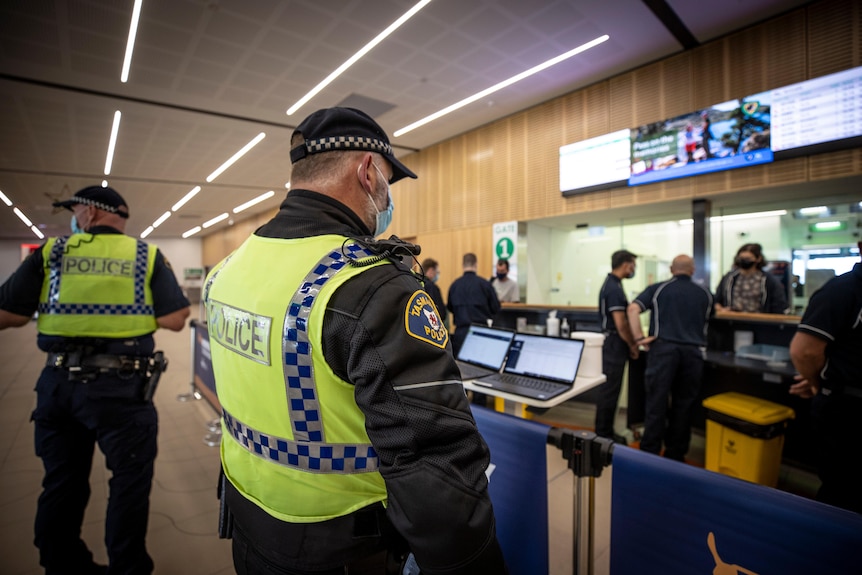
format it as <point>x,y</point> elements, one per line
<point>723,371</point>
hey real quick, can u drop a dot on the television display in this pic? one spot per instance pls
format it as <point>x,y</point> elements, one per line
<point>595,164</point>
<point>722,137</point>
<point>818,115</point>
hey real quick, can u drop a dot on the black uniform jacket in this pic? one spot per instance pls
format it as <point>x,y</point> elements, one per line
<point>432,457</point>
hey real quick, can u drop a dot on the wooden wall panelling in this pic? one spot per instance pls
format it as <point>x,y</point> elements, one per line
<point>745,63</point>
<point>596,111</point>
<point>543,133</point>
<point>791,171</point>
<point>621,95</point>
<point>708,75</point>
<point>835,165</point>
<point>786,48</point>
<point>646,94</point>
<point>833,36</point>
<point>676,86</point>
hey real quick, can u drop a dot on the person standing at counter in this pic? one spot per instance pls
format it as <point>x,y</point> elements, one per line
<point>431,269</point>
<point>747,288</point>
<point>471,300</point>
<point>506,288</point>
<point>619,344</point>
<point>826,352</point>
<point>681,310</point>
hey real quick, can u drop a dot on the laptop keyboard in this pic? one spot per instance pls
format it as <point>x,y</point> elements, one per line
<point>529,382</point>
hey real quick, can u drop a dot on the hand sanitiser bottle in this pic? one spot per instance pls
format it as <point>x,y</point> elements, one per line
<point>564,328</point>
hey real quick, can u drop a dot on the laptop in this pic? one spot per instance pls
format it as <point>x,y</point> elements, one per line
<point>483,351</point>
<point>538,367</point>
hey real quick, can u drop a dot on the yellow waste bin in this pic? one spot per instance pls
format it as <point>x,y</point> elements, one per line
<point>745,436</point>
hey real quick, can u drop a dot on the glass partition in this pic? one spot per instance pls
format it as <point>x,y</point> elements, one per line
<point>567,262</point>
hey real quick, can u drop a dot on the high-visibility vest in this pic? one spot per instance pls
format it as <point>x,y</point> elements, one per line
<point>97,285</point>
<point>294,439</point>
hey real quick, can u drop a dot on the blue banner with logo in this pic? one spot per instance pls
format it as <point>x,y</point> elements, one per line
<point>669,517</point>
<point>518,487</point>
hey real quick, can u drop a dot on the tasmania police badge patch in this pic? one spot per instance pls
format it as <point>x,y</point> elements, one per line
<point>422,322</point>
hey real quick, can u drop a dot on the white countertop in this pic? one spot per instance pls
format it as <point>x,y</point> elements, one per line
<point>582,384</point>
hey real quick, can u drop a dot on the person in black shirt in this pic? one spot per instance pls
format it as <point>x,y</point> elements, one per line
<point>825,352</point>
<point>681,310</point>
<point>472,299</point>
<point>619,345</point>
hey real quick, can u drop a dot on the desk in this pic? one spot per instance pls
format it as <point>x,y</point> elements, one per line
<point>731,360</point>
<point>582,384</point>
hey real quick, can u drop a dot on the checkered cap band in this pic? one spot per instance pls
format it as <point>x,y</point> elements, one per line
<point>347,143</point>
<point>313,457</point>
<point>99,205</point>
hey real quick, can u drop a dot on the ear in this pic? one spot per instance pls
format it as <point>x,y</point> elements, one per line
<point>363,173</point>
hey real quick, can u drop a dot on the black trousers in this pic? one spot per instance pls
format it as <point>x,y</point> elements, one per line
<point>362,543</point>
<point>673,379</point>
<point>836,425</point>
<point>70,418</point>
<point>615,354</point>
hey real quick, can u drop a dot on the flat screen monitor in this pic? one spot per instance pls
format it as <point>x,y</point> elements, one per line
<point>818,115</point>
<point>595,164</point>
<point>729,135</point>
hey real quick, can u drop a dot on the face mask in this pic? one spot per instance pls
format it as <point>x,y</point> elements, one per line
<point>631,273</point>
<point>745,263</point>
<point>501,276</point>
<point>384,218</point>
<point>76,229</point>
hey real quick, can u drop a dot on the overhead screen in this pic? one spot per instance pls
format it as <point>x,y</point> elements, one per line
<point>817,115</point>
<point>597,163</point>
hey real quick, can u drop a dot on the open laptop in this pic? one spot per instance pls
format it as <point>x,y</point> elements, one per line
<point>483,351</point>
<point>537,366</point>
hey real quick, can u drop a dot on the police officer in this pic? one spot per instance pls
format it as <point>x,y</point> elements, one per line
<point>681,310</point>
<point>472,299</point>
<point>100,296</point>
<point>825,352</point>
<point>618,345</point>
<point>347,434</point>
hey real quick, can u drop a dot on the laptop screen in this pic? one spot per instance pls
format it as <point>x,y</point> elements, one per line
<point>485,346</point>
<point>551,358</point>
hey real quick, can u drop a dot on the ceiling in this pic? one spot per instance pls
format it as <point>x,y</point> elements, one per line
<point>208,76</point>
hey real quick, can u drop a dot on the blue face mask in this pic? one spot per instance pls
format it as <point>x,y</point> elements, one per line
<point>76,229</point>
<point>384,218</point>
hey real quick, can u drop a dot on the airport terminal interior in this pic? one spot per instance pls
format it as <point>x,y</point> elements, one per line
<point>675,134</point>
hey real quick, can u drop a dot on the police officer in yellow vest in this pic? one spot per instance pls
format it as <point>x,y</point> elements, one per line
<point>348,439</point>
<point>100,295</point>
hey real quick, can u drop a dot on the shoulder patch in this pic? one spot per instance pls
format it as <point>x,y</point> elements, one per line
<point>422,321</point>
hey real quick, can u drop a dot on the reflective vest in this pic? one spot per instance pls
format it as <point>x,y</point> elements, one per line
<point>294,438</point>
<point>97,286</point>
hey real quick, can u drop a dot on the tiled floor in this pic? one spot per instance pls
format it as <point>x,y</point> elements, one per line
<point>183,507</point>
<point>182,532</point>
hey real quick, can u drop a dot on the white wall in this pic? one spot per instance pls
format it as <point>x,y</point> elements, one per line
<point>181,254</point>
